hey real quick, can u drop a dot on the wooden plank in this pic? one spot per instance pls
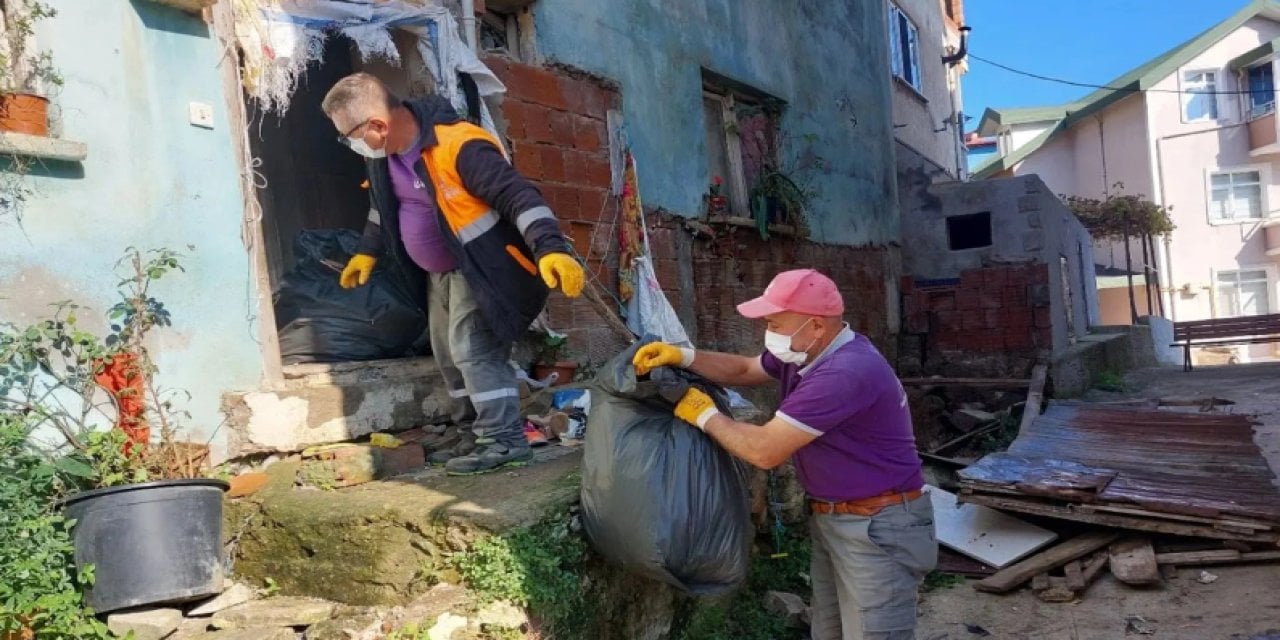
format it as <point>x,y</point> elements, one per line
<point>1075,575</point>
<point>1035,397</point>
<point>1199,558</point>
<point>1094,565</point>
<point>1117,521</point>
<point>998,383</point>
<point>1133,561</point>
<point>1255,525</point>
<point>968,436</point>
<point>1012,577</point>
<point>1057,592</point>
<point>986,535</point>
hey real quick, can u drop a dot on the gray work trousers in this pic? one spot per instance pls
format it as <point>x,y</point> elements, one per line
<point>866,571</point>
<point>476,365</point>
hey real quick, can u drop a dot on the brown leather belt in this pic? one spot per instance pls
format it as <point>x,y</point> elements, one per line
<point>865,506</point>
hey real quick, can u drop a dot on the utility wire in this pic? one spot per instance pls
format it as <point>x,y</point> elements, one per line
<point>1087,85</point>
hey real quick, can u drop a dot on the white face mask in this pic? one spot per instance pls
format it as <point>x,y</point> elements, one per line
<point>361,147</point>
<point>780,346</point>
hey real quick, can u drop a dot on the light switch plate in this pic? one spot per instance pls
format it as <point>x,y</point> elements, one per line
<point>202,115</point>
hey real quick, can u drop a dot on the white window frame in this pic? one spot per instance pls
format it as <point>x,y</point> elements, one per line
<point>1264,182</point>
<point>901,62</point>
<point>1188,94</point>
<point>1273,276</point>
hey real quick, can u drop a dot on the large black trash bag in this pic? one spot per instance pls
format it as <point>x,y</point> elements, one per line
<point>319,321</point>
<point>659,497</point>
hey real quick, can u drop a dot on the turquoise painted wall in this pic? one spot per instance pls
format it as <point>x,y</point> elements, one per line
<point>150,180</point>
<point>827,60</point>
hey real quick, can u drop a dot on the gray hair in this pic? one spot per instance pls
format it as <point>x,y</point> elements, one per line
<point>358,96</point>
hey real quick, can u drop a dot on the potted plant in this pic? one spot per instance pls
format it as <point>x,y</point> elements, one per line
<point>717,202</point>
<point>777,199</point>
<point>146,522</point>
<point>26,72</point>
<point>553,358</point>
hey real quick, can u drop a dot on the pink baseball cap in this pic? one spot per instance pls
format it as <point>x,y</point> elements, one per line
<point>803,291</point>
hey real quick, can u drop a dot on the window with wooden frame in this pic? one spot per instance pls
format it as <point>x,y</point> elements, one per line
<point>742,139</point>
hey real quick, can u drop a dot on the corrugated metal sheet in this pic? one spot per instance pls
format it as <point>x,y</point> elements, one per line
<point>1194,467</point>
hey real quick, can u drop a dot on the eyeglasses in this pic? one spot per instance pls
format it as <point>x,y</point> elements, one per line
<point>346,137</point>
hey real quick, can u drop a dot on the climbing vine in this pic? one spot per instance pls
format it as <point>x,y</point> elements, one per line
<point>1116,216</point>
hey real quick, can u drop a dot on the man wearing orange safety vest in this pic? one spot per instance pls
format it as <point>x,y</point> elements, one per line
<point>445,201</point>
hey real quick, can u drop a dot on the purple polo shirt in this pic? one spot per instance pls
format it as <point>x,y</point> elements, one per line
<point>419,226</point>
<point>851,399</point>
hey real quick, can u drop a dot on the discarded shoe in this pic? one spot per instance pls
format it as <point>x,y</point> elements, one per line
<point>534,435</point>
<point>490,456</point>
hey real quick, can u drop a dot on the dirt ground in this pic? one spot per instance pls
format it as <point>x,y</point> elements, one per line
<point>1242,604</point>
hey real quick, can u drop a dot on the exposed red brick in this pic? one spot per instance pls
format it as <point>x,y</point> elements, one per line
<point>1015,296</point>
<point>974,321</point>
<point>993,278</point>
<point>535,84</point>
<point>989,300</point>
<point>527,160</point>
<point>537,125</point>
<point>562,128</point>
<point>589,134</point>
<point>906,284</point>
<point>551,159</point>
<point>594,204</point>
<point>1041,273</point>
<point>942,301</point>
<point>563,200</point>
<point>917,323</point>
<point>1022,341</point>
<point>947,320</point>
<point>662,243</point>
<point>991,319</point>
<point>667,272</point>
<point>971,279</point>
<point>967,300</point>
<point>517,115</point>
<point>1043,318</point>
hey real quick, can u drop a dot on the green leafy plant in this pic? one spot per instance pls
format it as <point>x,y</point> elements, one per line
<point>553,349</point>
<point>1002,436</point>
<point>1117,216</point>
<point>538,567</point>
<point>1109,381</point>
<point>777,198</point>
<point>40,588</point>
<point>743,616</point>
<point>939,581</point>
<point>22,68</point>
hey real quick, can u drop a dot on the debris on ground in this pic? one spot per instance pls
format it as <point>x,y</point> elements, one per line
<point>984,534</point>
<point>789,607</point>
<point>1138,625</point>
<point>283,611</point>
<point>236,594</point>
<point>1207,578</point>
<point>152,624</point>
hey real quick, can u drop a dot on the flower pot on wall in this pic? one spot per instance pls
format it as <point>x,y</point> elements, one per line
<point>24,113</point>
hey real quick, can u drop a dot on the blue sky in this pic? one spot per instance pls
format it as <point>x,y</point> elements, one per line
<point>1090,41</point>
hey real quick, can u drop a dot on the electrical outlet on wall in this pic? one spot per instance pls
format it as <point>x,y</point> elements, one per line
<point>201,115</point>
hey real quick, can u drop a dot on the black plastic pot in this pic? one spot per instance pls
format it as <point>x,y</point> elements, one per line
<point>150,543</point>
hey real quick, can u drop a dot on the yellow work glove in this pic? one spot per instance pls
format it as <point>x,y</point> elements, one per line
<point>652,356</point>
<point>358,270</point>
<point>696,408</point>
<point>561,270</point>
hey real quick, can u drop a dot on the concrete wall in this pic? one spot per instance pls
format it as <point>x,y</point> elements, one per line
<point>916,114</point>
<point>1029,224</point>
<point>1187,152</point>
<point>827,62</point>
<point>150,180</point>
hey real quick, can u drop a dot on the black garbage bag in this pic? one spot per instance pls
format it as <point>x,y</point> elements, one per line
<point>659,497</point>
<point>319,321</point>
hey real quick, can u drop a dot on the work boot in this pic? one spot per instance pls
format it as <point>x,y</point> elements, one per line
<point>490,456</point>
<point>466,444</point>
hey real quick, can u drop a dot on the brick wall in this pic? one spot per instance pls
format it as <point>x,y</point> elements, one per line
<point>554,122</point>
<point>991,310</point>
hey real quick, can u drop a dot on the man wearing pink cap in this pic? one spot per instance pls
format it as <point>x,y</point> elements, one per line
<point>844,419</point>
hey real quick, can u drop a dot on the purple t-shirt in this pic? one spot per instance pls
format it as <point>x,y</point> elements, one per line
<point>419,226</point>
<point>852,400</point>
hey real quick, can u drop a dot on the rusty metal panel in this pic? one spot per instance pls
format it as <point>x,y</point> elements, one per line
<point>1191,464</point>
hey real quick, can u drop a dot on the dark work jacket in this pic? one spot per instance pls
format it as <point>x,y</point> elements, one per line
<point>496,223</point>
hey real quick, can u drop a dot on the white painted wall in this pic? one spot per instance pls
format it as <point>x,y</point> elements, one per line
<point>916,114</point>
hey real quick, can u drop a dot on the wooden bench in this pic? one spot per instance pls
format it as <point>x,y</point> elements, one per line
<point>1224,331</point>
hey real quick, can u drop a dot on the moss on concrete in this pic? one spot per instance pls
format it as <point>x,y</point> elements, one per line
<point>384,542</point>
